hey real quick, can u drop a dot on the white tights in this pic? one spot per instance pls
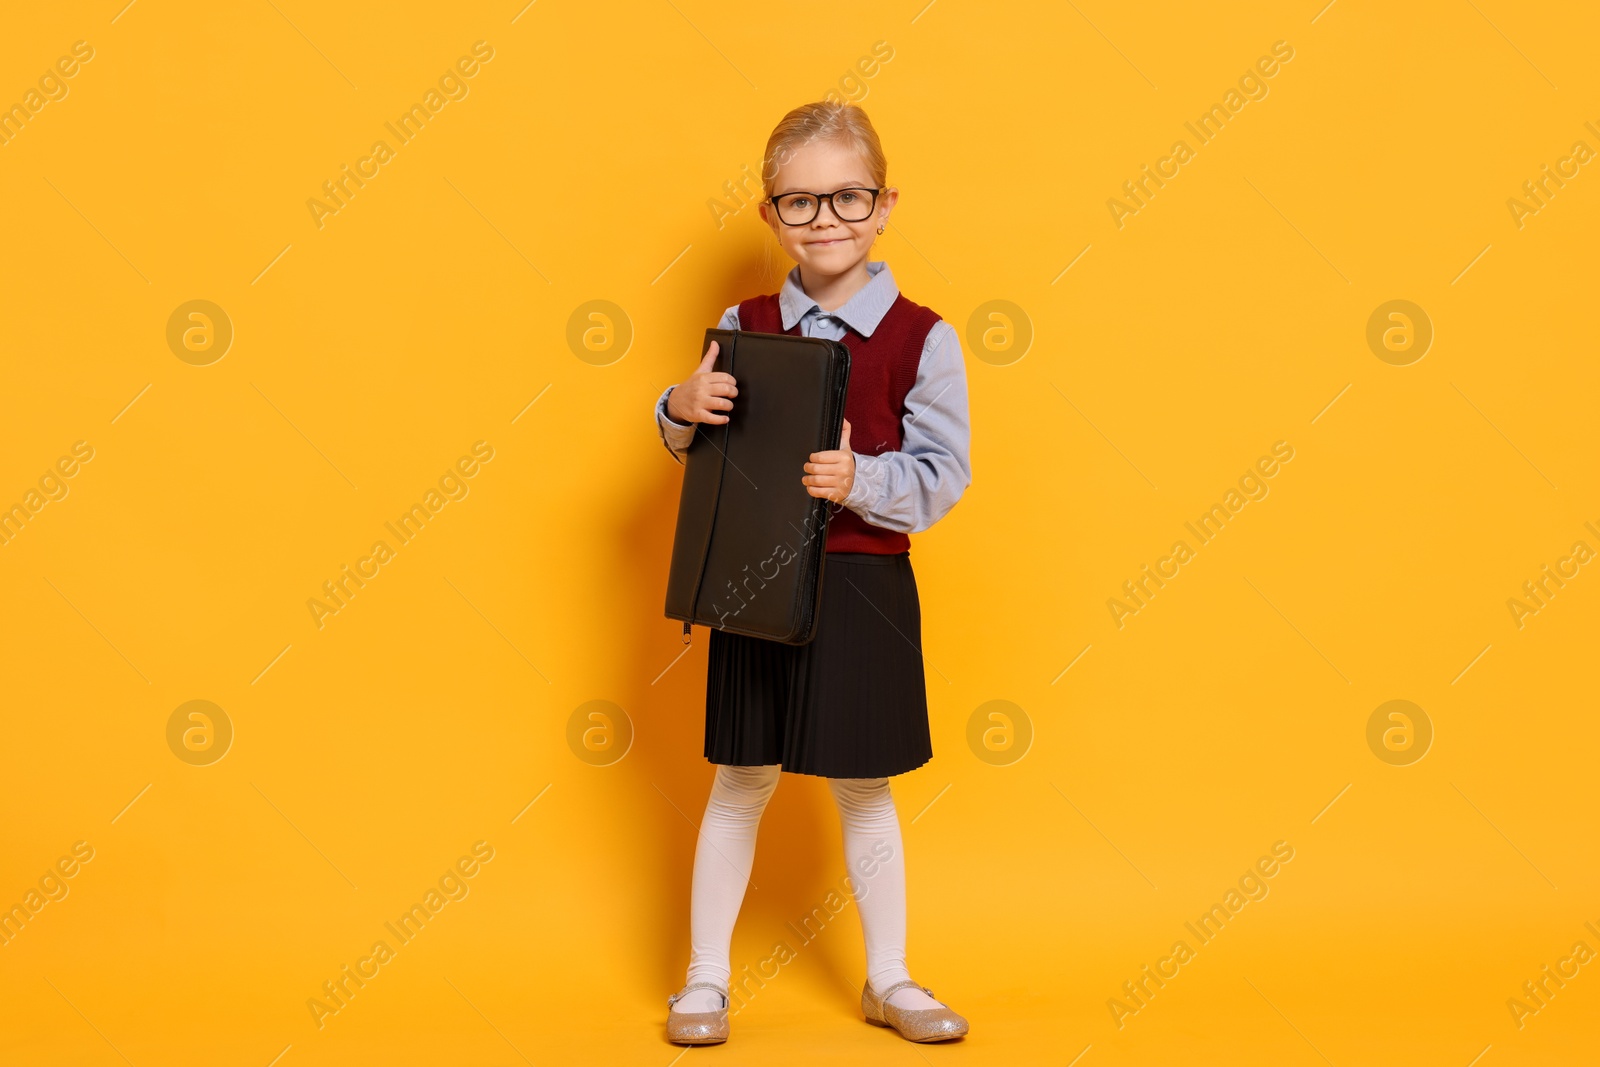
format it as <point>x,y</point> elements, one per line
<point>874,860</point>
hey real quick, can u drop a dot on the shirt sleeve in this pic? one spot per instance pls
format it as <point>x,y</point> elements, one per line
<point>911,489</point>
<point>675,435</point>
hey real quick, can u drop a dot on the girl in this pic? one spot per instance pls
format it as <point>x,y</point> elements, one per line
<point>850,706</point>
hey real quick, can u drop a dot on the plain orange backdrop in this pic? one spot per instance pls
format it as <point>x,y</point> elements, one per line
<point>1122,379</point>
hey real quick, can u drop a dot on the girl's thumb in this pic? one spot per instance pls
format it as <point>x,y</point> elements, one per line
<point>710,358</point>
<point>844,438</point>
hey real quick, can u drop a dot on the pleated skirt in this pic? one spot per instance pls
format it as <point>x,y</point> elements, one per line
<point>852,703</point>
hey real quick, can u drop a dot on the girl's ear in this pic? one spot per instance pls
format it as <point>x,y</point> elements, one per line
<point>886,201</point>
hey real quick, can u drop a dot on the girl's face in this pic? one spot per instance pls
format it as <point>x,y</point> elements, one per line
<point>828,245</point>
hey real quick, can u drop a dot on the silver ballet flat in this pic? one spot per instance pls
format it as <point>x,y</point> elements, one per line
<point>913,1024</point>
<point>697,1027</point>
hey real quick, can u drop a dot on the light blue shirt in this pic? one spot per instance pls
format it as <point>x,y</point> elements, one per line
<point>906,490</point>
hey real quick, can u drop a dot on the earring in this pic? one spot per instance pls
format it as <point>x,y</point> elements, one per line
<point>880,229</point>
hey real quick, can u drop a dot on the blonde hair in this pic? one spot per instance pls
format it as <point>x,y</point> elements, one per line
<point>825,120</point>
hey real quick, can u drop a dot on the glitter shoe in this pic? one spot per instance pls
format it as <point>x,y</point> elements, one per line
<point>697,1027</point>
<point>925,1024</point>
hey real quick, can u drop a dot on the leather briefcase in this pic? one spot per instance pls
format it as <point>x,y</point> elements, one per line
<point>751,542</point>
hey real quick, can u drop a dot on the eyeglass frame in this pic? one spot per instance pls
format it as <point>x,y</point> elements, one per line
<point>773,200</point>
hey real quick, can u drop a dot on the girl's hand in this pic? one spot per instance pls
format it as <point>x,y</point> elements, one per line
<point>703,393</point>
<point>831,474</point>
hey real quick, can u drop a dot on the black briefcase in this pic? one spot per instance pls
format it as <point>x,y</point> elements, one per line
<point>750,545</point>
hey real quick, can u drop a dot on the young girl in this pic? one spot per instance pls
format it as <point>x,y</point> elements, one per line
<point>850,706</point>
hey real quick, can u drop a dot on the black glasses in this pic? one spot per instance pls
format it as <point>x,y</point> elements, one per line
<point>850,205</point>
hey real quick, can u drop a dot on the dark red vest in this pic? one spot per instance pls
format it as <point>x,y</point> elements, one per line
<point>883,369</point>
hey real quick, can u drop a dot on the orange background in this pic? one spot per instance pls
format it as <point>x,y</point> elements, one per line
<point>1050,861</point>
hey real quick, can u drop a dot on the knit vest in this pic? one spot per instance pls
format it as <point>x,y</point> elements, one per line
<point>883,369</point>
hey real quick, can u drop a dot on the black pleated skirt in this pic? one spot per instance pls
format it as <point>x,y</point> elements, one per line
<point>850,704</point>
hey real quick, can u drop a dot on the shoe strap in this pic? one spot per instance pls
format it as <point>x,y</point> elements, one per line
<point>883,998</point>
<point>680,994</point>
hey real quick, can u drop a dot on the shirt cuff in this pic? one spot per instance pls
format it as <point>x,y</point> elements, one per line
<point>675,436</point>
<point>868,486</point>
<point>667,417</point>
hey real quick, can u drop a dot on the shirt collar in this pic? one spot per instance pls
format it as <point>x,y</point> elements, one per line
<point>861,312</point>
